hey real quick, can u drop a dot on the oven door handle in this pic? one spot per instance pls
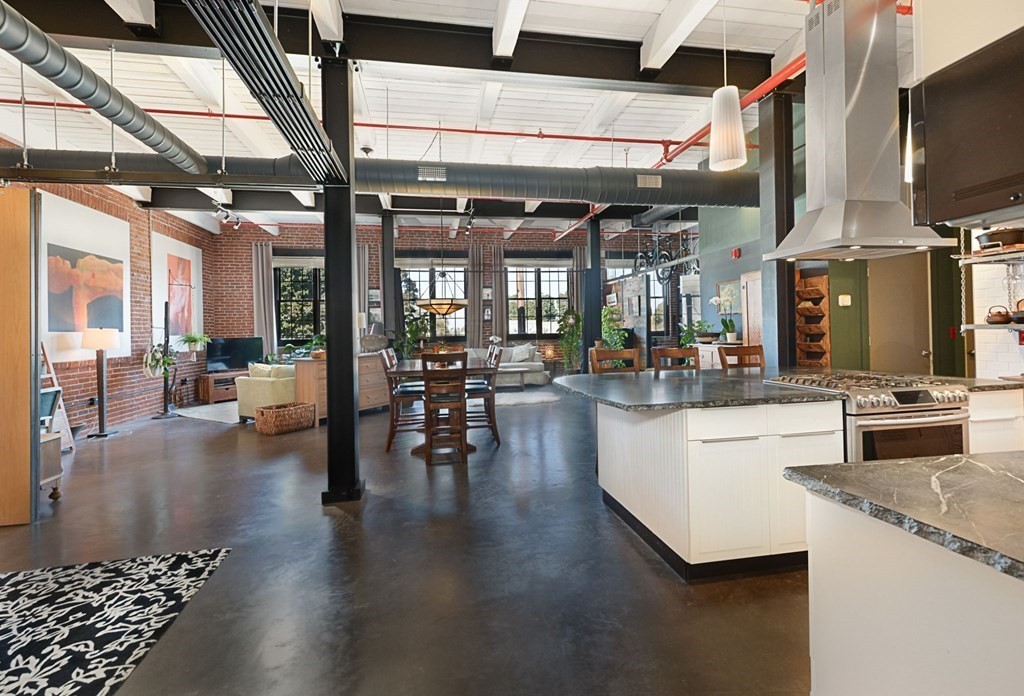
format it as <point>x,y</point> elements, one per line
<point>912,422</point>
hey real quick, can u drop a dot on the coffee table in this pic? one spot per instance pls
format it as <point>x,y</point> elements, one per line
<point>521,371</point>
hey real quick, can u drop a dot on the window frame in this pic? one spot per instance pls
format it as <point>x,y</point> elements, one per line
<point>537,298</point>
<point>666,291</point>
<point>432,287</point>
<point>317,297</point>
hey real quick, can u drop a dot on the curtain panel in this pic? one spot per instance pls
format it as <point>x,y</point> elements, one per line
<point>474,294</point>
<point>499,313</point>
<point>264,314</point>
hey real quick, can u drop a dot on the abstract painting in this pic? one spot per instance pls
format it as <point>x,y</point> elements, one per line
<point>179,294</point>
<point>84,290</point>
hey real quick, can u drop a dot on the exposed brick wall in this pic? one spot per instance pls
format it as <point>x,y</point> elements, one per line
<point>130,395</point>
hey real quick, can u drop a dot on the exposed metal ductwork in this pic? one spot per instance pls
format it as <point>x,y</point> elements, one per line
<point>29,44</point>
<point>241,30</point>
<point>655,214</point>
<point>599,185</point>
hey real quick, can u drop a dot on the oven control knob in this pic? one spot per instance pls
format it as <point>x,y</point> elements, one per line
<point>889,400</point>
<point>862,401</point>
<point>950,396</point>
<point>961,396</point>
<point>876,402</point>
<point>940,396</point>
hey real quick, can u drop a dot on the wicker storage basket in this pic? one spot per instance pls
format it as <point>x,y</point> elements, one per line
<point>284,418</point>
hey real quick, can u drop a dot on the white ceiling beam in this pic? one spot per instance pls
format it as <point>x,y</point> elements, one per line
<point>306,198</point>
<point>671,29</point>
<point>267,223</point>
<point>365,137</point>
<point>460,204</point>
<point>486,106</point>
<point>385,200</point>
<point>598,120</point>
<point>510,227</point>
<point>135,11</point>
<point>508,21</point>
<point>220,195</point>
<point>136,193</point>
<point>205,220</point>
<point>329,18</point>
<point>531,206</point>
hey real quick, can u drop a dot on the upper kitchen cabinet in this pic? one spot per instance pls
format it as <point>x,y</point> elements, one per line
<point>968,161</point>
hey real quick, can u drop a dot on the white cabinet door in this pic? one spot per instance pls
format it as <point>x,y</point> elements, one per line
<point>728,497</point>
<point>787,499</point>
<point>997,422</point>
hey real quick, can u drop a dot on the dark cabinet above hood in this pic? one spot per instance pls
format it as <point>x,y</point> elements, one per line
<point>968,139</point>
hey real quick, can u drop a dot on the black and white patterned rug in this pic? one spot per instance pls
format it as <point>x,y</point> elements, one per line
<point>81,630</point>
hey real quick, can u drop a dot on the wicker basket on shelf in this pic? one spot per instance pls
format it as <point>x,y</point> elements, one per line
<point>284,418</point>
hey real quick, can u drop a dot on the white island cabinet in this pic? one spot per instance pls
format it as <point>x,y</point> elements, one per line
<point>707,482</point>
<point>996,421</point>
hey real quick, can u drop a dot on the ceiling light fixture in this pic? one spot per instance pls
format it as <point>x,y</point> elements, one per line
<point>728,142</point>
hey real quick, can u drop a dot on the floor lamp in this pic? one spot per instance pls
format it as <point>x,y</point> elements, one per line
<point>101,340</point>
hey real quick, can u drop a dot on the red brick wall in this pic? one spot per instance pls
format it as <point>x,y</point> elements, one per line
<point>130,395</point>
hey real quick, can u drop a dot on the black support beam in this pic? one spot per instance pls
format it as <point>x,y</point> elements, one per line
<point>389,290</point>
<point>690,71</point>
<point>592,299</point>
<point>778,326</point>
<point>343,478</point>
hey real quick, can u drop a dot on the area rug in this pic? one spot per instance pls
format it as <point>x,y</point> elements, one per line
<point>82,629</point>
<point>224,412</point>
<point>525,398</point>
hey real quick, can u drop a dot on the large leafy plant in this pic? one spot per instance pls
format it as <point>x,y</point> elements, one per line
<point>417,322</point>
<point>570,338</point>
<point>612,333</point>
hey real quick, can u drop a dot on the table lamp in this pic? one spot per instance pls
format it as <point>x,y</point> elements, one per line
<point>101,340</point>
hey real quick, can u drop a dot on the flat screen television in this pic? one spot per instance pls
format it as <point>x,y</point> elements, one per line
<point>233,353</point>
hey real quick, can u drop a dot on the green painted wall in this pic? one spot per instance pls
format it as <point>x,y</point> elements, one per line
<point>849,332</point>
<point>948,346</point>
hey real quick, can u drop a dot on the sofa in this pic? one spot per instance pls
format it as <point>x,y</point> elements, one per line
<point>265,385</point>
<point>522,356</point>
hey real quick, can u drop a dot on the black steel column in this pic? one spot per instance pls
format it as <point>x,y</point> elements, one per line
<point>591,292</point>
<point>343,482</point>
<point>778,325</point>
<point>388,290</point>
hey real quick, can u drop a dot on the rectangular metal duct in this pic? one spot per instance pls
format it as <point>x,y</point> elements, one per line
<point>241,30</point>
<point>853,168</point>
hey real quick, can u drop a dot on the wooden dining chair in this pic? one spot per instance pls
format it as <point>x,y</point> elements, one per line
<point>444,402</point>
<point>668,355</point>
<point>603,360</point>
<point>485,389</point>
<point>746,356</point>
<point>400,395</point>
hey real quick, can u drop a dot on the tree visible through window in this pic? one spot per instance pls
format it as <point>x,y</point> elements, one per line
<point>656,304</point>
<point>537,297</point>
<point>300,304</point>
<point>453,326</point>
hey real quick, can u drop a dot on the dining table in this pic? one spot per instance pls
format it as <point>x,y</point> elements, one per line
<point>410,369</point>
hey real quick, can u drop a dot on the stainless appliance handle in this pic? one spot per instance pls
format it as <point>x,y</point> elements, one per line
<point>731,439</point>
<point>913,421</point>
<point>816,432</point>
<point>995,419</point>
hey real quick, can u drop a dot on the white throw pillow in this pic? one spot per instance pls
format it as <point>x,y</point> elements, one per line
<point>282,371</point>
<point>522,353</point>
<point>259,370</point>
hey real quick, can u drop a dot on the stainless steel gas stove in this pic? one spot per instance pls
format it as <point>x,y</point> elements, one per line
<point>894,416</point>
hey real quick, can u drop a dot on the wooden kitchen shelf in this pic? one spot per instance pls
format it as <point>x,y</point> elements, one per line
<point>813,348</point>
<point>988,327</point>
<point>810,294</point>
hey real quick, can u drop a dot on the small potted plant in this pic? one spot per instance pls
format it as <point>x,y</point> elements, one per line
<point>318,347</point>
<point>570,338</point>
<point>699,331</point>
<point>193,342</point>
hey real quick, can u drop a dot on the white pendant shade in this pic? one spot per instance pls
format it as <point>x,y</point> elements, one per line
<point>728,143</point>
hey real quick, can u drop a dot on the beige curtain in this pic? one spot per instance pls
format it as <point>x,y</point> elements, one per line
<point>499,313</point>
<point>474,293</point>
<point>264,316</point>
<point>363,269</point>
<point>579,265</point>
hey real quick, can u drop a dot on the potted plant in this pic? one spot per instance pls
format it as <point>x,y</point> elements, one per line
<point>724,303</point>
<point>318,347</point>
<point>570,338</point>
<point>193,342</point>
<point>612,333</point>
<point>699,331</point>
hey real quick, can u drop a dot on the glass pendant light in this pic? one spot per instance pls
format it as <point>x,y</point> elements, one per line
<point>728,142</point>
<point>442,281</point>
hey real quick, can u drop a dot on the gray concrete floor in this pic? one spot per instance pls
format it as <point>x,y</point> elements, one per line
<point>508,576</point>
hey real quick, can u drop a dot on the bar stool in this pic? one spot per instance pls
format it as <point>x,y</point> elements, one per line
<point>485,390</point>
<point>400,394</point>
<point>670,354</point>
<point>444,402</point>
<point>746,356</point>
<point>602,360</point>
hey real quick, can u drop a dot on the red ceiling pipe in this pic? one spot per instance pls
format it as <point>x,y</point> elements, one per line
<point>907,9</point>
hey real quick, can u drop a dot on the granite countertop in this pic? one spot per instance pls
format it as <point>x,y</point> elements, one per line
<point>970,504</point>
<point>687,389</point>
<point>715,388</point>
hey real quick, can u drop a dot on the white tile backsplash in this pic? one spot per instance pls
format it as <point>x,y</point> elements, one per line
<point>996,352</point>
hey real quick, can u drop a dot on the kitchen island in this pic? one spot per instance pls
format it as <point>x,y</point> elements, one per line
<point>916,575</point>
<point>693,461</point>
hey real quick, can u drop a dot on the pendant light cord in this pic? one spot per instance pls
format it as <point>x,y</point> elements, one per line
<point>725,67</point>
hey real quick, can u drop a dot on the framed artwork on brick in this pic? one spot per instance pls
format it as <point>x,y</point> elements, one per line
<point>488,294</point>
<point>84,278</point>
<point>177,270</point>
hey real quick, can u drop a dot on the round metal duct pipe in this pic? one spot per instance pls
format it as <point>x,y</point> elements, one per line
<point>29,44</point>
<point>608,185</point>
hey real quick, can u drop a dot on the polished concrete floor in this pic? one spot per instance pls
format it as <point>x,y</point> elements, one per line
<point>507,576</point>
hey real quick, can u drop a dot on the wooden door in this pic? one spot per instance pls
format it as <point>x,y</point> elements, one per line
<point>750,306</point>
<point>16,356</point>
<point>899,314</point>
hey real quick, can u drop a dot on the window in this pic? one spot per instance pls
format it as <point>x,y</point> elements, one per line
<point>613,272</point>
<point>657,306</point>
<point>453,326</point>
<point>537,297</point>
<point>300,304</point>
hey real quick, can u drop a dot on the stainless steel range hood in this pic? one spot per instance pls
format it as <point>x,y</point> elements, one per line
<point>852,124</point>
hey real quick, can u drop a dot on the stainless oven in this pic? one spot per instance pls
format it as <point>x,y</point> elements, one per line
<point>901,435</point>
